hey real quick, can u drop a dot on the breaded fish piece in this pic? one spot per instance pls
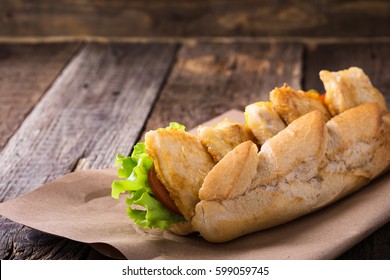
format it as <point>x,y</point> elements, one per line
<point>292,104</point>
<point>349,88</point>
<point>181,163</point>
<point>263,121</point>
<point>224,137</point>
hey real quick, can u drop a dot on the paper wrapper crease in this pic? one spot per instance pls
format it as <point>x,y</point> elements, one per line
<point>79,206</point>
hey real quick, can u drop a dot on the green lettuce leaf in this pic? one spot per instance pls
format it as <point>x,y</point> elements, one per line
<point>176,126</point>
<point>142,206</point>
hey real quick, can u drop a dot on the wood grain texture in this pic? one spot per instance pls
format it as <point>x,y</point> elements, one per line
<point>209,79</point>
<point>22,84</point>
<point>121,18</point>
<point>374,59</point>
<point>95,109</point>
<point>21,242</point>
<point>92,111</point>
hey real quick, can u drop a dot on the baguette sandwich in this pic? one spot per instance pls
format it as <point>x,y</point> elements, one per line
<point>297,153</point>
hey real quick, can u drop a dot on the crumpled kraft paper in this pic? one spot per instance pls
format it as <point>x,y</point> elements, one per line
<point>79,206</point>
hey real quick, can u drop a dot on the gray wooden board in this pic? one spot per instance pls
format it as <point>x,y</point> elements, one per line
<point>21,85</point>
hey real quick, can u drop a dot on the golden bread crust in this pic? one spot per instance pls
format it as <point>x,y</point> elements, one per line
<point>230,179</point>
<point>316,164</point>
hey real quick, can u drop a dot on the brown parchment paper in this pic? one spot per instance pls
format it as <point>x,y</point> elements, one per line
<point>79,206</point>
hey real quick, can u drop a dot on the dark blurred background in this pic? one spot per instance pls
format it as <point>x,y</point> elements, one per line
<point>29,19</point>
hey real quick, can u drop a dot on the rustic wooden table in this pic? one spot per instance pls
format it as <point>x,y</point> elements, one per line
<point>71,106</point>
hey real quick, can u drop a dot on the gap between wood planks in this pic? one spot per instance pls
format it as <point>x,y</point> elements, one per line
<point>22,89</point>
<point>82,160</point>
<point>72,118</point>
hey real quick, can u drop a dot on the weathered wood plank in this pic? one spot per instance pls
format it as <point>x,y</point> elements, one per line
<point>26,71</point>
<point>209,79</point>
<point>96,108</point>
<point>20,242</point>
<point>121,18</point>
<point>374,59</point>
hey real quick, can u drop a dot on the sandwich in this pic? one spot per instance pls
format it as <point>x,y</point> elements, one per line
<point>296,153</point>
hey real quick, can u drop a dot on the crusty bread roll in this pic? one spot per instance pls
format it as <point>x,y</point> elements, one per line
<point>306,166</point>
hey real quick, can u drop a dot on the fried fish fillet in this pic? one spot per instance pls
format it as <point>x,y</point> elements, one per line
<point>292,104</point>
<point>349,88</point>
<point>224,137</point>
